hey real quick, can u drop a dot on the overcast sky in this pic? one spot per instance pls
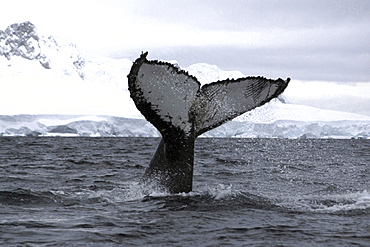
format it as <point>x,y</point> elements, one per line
<point>306,40</point>
<point>318,40</point>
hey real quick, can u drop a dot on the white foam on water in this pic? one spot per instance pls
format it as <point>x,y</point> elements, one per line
<point>329,203</point>
<point>222,191</point>
<point>137,191</point>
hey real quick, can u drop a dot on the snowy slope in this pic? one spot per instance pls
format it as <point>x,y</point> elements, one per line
<point>206,73</point>
<point>276,110</point>
<point>70,93</point>
<point>43,75</point>
<point>22,40</point>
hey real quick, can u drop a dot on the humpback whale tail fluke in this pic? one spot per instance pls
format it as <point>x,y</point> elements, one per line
<point>176,104</point>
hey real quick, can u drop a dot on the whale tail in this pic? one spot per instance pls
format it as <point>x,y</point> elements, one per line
<point>173,101</point>
<point>176,104</point>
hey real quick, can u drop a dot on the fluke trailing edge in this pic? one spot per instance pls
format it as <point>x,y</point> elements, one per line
<point>176,104</point>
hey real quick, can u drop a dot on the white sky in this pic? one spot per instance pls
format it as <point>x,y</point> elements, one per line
<point>306,40</point>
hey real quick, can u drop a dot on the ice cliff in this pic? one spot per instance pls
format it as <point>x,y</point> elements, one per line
<point>108,126</point>
<point>69,125</point>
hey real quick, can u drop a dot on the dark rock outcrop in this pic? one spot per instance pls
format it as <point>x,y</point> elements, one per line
<point>21,39</point>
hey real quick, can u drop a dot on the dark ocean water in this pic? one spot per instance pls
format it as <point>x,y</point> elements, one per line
<point>247,192</point>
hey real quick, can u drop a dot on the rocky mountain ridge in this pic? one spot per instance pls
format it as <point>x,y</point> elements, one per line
<point>23,40</point>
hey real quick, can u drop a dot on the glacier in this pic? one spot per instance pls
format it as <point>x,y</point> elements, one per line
<point>72,126</point>
<point>49,87</point>
<point>110,126</point>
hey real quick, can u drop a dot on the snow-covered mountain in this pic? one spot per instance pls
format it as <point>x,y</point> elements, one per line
<point>43,75</point>
<point>21,40</point>
<point>49,87</point>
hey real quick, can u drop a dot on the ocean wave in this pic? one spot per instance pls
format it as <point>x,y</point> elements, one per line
<point>220,197</point>
<point>26,197</point>
<point>350,204</point>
